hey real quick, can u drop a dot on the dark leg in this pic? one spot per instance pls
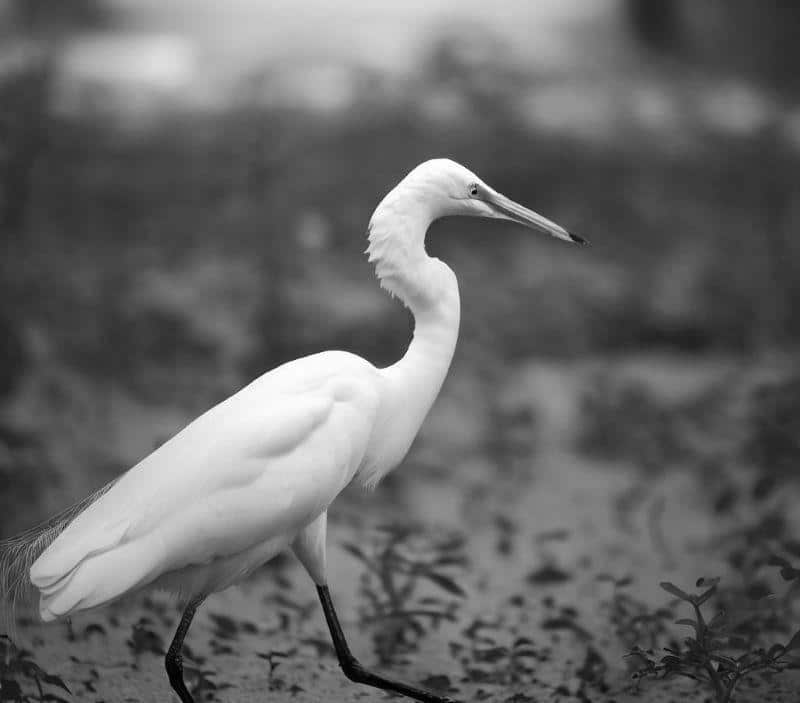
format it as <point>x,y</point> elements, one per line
<point>174,660</point>
<point>353,669</point>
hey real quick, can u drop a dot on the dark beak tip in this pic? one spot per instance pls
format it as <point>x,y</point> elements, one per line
<point>577,238</point>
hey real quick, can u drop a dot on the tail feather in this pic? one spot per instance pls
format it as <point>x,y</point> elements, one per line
<point>101,578</point>
<point>18,553</point>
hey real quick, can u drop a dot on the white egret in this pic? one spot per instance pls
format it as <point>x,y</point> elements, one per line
<point>255,475</point>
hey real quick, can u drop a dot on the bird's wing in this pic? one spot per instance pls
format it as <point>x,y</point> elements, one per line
<point>261,464</point>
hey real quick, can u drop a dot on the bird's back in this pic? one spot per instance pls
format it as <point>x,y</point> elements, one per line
<point>263,462</point>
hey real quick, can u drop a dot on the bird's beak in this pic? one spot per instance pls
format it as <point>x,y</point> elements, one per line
<point>509,210</point>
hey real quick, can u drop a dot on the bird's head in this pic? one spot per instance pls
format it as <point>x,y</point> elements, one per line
<point>434,189</point>
<point>441,187</point>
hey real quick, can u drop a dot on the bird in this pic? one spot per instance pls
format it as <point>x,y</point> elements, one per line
<point>255,475</point>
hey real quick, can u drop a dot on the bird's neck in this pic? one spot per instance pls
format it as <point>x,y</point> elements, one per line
<point>416,379</point>
<point>428,287</point>
<point>424,284</point>
<point>436,308</point>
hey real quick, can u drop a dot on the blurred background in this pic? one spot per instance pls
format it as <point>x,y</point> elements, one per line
<point>184,193</point>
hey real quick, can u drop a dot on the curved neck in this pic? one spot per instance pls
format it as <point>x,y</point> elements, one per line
<point>428,287</point>
<point>425,285</point>
<point>413,382</point>
<point>436,308</point>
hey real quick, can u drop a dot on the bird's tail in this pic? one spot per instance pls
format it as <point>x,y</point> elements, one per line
<point>18,553</point>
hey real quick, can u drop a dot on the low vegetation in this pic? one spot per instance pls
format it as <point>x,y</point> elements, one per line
<point>724,649</point>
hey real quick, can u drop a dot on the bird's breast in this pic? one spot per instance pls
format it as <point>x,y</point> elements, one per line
<point>396,426</point>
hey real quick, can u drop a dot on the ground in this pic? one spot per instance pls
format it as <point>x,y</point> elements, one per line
<point>482,568</point>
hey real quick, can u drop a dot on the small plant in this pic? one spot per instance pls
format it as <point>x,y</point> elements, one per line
<point>18,671</point>
<point>400,562</point>
<point>711,655</point>
<point>496,654</point>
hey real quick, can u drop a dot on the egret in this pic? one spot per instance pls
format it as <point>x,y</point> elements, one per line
<point>255,475</point>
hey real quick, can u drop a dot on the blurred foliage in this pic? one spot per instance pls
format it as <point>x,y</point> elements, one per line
<point>20,675</point>
<point>151,271</point>
<point>24,467</point>
<point>773,442</point>
<point>634,622</point>
<point>737,37</point>
<point>395,603</point>
<point>23,124</point>
<point>41,16</point>
<point>738,420</point>
<point>628,419</point>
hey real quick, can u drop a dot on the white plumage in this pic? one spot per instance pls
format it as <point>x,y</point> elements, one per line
<point>256,474</point>
<point>196,512</point>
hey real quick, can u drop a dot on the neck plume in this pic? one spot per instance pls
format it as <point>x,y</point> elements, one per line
<point>397,250</point>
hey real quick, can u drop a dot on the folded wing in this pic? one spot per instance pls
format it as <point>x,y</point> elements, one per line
<point>259,465</point>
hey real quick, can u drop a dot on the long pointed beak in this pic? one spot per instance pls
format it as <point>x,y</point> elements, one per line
<point>507,209</point>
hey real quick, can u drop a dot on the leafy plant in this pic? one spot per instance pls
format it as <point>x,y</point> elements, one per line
<point>399,562</point>
<point>502,665</point>
<point>711,655</point>
<point>496,654</point>
<point>18,671</point>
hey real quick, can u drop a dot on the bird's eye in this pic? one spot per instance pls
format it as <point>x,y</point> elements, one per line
<point>473,190</point>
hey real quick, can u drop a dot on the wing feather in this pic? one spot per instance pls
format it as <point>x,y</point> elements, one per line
<point>258,465</point>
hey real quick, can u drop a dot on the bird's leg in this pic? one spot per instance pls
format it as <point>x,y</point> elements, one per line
<point>173,661</point>
<point>354,671</point>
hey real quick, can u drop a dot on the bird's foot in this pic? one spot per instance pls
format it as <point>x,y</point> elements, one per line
<point>357,673</point>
